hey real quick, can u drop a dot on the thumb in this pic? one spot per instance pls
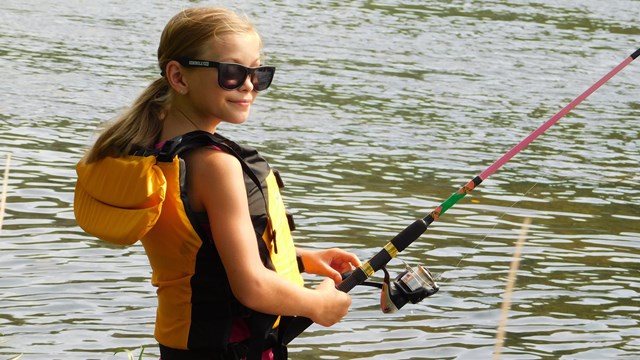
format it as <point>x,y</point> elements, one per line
<point>334,275</point>
<point>327,283</point>
<point>330,272</point>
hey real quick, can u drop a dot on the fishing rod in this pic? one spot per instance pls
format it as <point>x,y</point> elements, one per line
<point>418,227</point>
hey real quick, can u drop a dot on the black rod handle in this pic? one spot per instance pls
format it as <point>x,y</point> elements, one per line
<point>358,276</point>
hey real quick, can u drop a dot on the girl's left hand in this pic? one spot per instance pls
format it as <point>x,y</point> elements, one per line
<point>331,262</point>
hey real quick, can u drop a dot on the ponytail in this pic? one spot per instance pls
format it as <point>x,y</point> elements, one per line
<point>139,126</point>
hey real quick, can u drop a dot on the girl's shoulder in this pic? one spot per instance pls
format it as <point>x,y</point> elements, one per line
<point>212,160</point>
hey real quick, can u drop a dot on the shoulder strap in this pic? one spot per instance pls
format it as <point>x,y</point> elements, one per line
<point>182,144</point>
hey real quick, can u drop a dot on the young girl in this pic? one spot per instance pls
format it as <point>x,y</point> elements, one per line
<point>218,240</point>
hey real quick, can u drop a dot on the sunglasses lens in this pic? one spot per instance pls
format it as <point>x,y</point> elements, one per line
<point>262,77</point>
<point>231,76</point>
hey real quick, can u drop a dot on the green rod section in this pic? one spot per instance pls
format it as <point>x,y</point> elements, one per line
<point>454,198</point>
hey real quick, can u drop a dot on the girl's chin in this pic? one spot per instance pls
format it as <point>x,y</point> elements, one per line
<point>236,120</point>
<point>235,117</point>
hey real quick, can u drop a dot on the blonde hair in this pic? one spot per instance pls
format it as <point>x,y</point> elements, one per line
<point>186,35</point>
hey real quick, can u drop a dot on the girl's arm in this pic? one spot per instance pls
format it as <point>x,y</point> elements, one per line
<point>216,184</point>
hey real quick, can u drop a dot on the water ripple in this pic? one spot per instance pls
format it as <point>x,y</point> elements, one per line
<point>380,110</point>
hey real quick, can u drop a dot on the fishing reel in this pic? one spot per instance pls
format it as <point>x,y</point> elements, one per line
<point>412,285</point>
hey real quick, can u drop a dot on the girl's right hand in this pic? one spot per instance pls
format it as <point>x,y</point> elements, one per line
<point>333,304</point>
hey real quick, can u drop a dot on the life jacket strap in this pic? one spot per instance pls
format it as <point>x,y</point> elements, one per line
<point>196,139</point>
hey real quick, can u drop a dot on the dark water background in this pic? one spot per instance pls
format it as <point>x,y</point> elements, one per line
<point>380,110</point>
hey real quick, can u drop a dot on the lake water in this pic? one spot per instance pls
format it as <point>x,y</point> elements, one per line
<point>379,111</point>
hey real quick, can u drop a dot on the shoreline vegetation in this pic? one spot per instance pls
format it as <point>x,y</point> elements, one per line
<point>5,186</point>
<point>511,281</point>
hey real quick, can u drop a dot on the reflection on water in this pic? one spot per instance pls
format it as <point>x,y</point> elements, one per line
<point>380,110</point>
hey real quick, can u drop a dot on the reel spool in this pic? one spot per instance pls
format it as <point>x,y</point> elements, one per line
<point>412,285</point>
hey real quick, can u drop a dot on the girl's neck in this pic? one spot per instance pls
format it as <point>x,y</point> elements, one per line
<point>188,119</point>
<point>178,122</point>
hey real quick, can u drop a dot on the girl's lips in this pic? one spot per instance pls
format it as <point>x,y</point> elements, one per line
<point>241,102</point>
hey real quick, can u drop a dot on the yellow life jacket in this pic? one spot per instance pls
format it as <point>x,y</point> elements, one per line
<point>144,197</point>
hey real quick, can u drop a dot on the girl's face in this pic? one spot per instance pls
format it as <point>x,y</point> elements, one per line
<point>209,101</point>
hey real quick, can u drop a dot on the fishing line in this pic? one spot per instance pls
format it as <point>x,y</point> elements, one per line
<point>440,276</point>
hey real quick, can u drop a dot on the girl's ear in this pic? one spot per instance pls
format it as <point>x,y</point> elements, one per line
<point>175,76</point>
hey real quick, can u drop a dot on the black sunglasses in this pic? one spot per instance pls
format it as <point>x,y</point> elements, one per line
<point>231,76</point>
